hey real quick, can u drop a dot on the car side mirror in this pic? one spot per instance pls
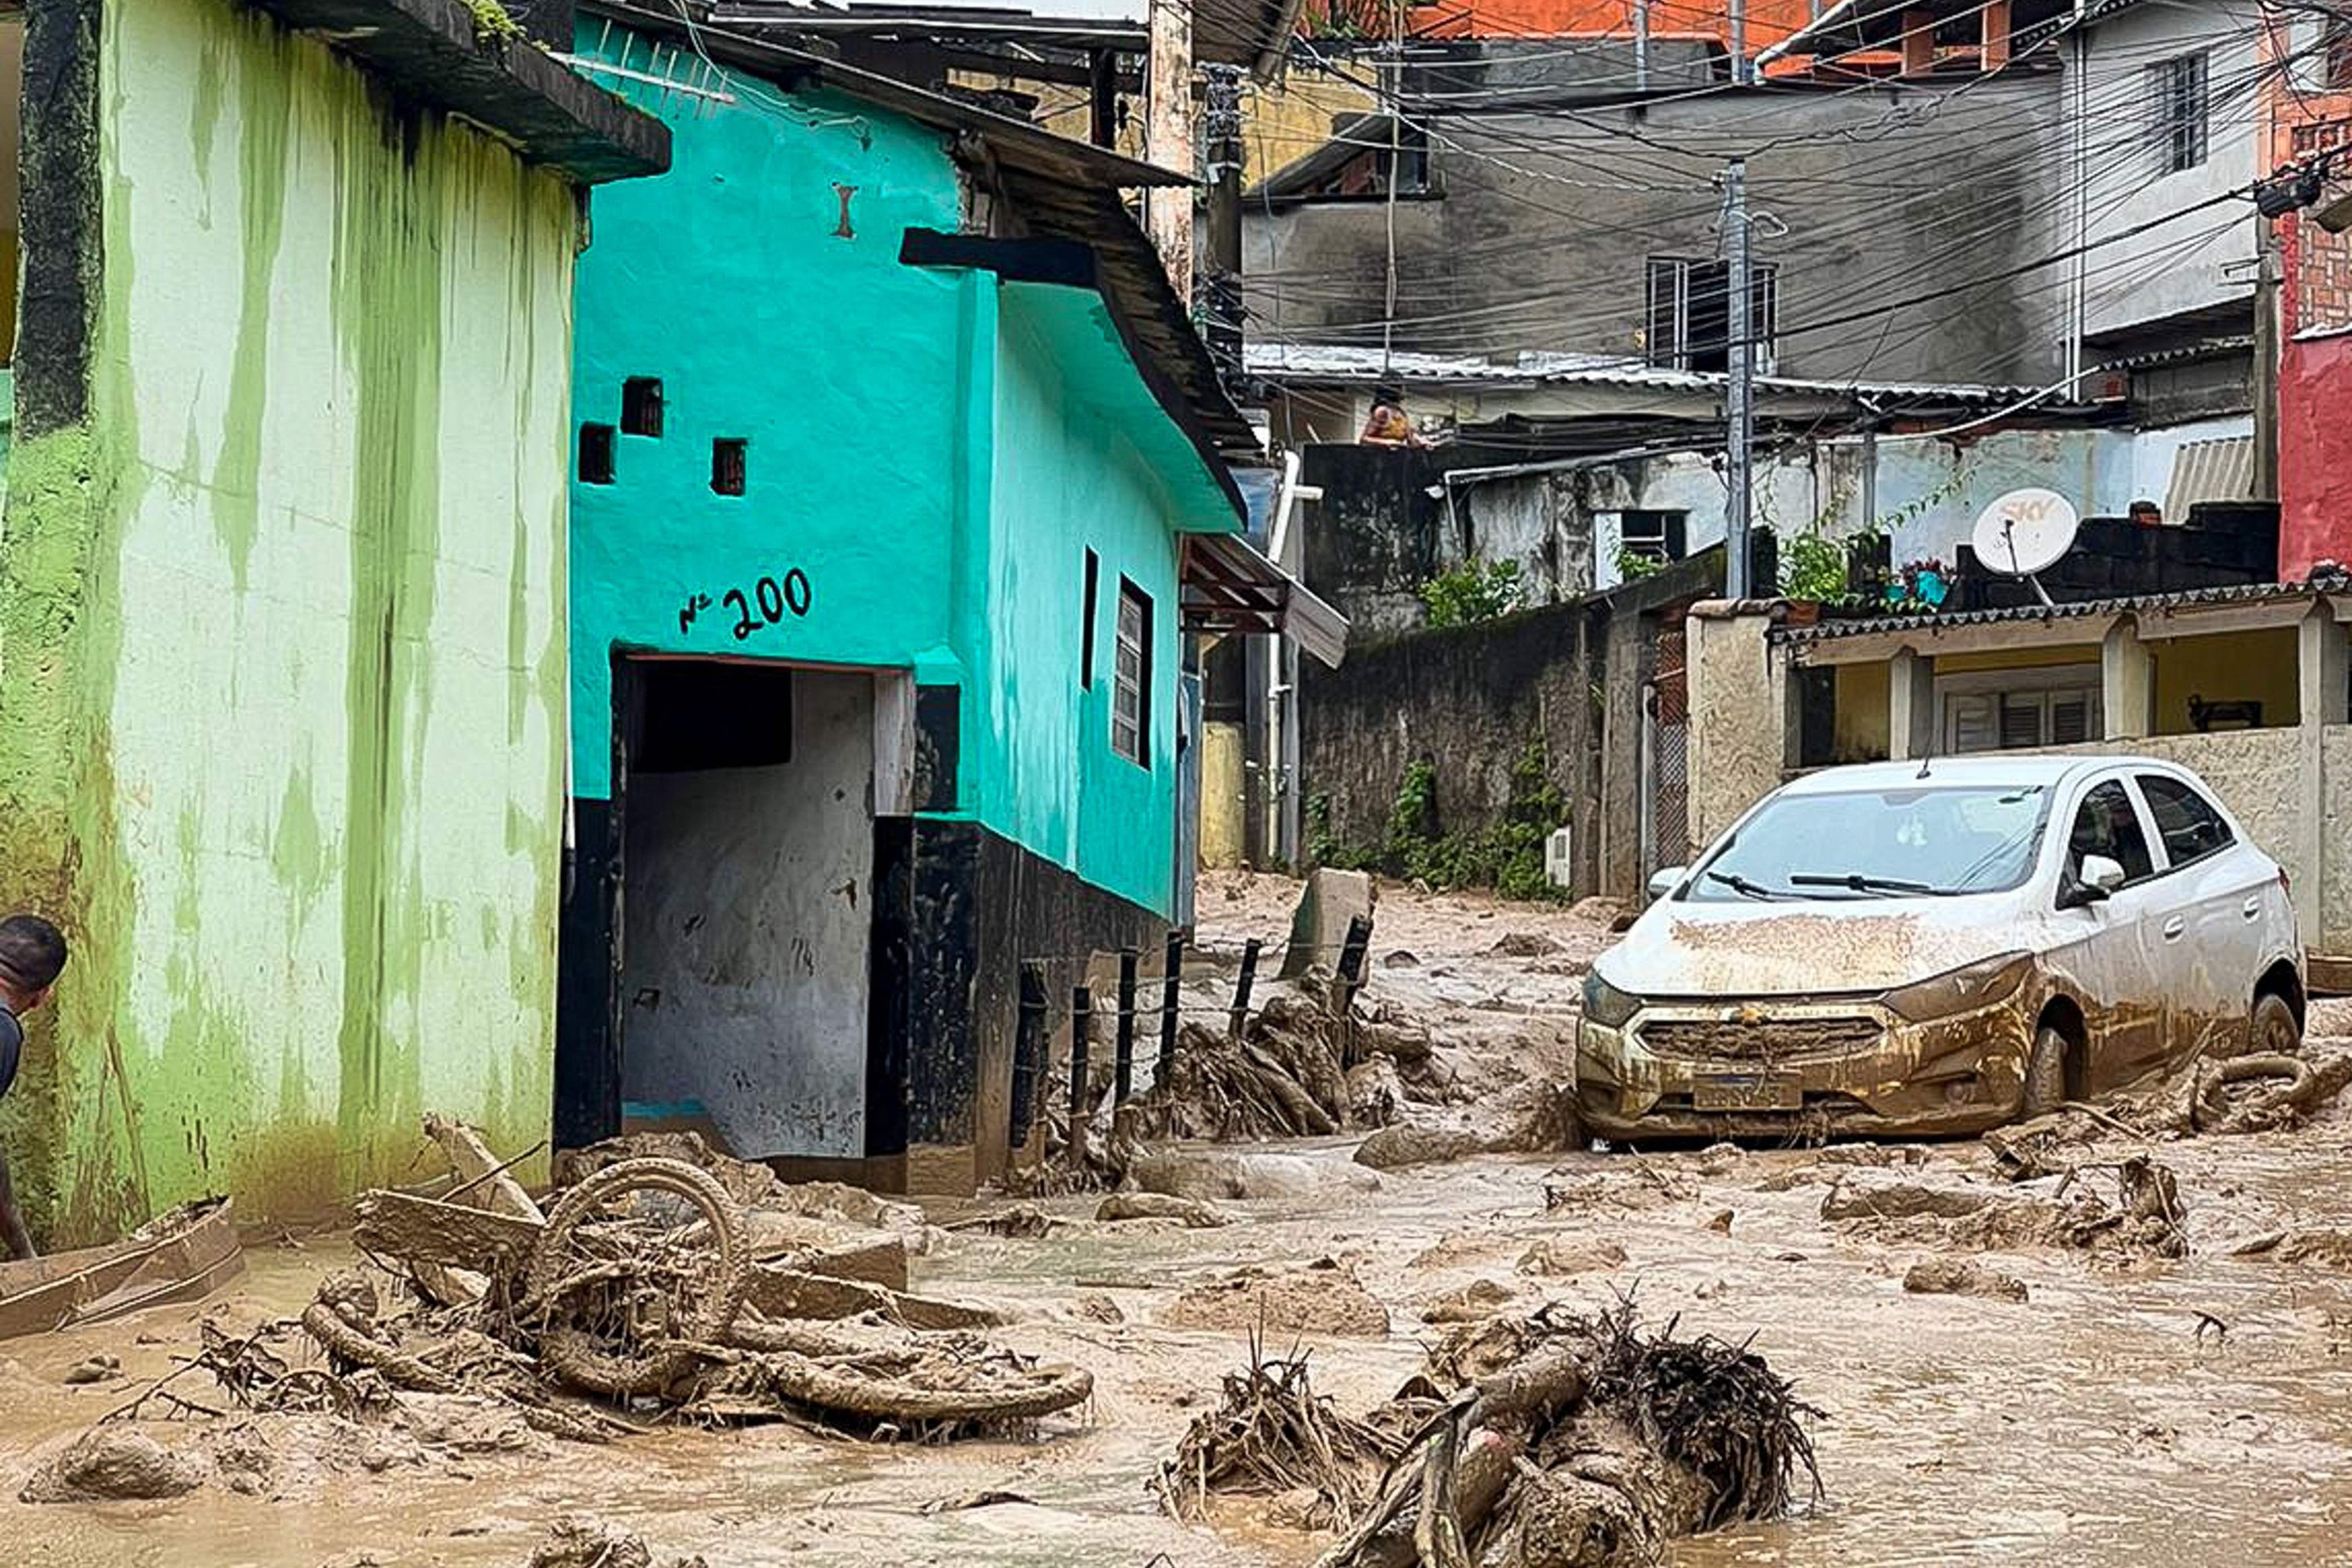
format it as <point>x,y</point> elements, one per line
<point>1666,879</point>
<point>2092,883</point>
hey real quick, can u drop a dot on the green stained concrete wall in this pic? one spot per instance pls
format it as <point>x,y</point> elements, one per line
<point>933,450</point>
<point>283,634</point>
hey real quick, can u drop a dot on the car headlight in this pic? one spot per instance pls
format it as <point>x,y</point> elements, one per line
<point>1604,1004</point>
<point>1962,990</point>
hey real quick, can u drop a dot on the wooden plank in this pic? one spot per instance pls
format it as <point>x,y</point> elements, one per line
<point>478,1170</point>
<point>777,1292</point>
<point>425,1230</point>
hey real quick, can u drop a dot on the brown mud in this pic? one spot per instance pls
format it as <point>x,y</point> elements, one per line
<point>2184,1409</point>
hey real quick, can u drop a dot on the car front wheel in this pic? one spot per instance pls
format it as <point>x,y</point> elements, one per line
<point>2274,1028</point>
<point>2045,1073</point>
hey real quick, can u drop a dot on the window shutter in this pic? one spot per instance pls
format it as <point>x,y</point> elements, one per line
<point>1971,723</point>
<point>2021,722</point>
<point>2070,718</point>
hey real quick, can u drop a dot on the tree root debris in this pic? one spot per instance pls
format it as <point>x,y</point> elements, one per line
<point>2230,1096</point>
<point>1565,1440</point>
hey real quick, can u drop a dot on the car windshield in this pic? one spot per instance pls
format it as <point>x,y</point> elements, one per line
<point>1929,840</point>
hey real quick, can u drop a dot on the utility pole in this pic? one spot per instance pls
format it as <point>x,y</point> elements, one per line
<point>1231,685</point>
<point>1738,43</point>
<point>1641,46</point>
<point>1168,138</point>
<point>2266,359</point>
<point>1739,410</point>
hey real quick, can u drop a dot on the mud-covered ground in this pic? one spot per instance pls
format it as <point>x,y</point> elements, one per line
<point>2105,1419</point>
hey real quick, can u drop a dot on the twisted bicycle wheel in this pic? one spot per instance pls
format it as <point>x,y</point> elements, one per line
<point>639,1264</point>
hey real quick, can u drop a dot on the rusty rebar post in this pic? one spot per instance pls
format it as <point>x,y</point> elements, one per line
<point>1028,1053</point>
<point>1171,989</point>
<point>1242,986</point>
<point>1082,1019</point>
<point>1352,952</point>
<point>1123,1063</point>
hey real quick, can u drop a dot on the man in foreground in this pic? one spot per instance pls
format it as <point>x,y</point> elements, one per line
<point>32,956</point>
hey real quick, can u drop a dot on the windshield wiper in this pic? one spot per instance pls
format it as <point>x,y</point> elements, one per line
<point>1739,884</point>
<point>1861,884</point>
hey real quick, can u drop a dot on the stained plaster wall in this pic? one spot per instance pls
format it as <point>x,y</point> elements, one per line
<point>750,920</point>
<point>1541,234</point>
<point>1738,738</point>
<point>283,748</point>
<point>2169,265</point>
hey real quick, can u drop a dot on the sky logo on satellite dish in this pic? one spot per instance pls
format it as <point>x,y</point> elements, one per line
<point>2023,533</point>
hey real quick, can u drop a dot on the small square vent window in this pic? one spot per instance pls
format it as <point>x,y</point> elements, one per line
<point>641,406</point>
<point>596,454</point>
<point>730,462</point>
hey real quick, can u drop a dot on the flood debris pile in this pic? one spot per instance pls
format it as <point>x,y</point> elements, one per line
<point>2226,1096</point>
<point>2266,1093</point>
<point>1552,1440</point>
<point>646,1285</point>
<point>2124,1209</point>
<point>1284,1075</point>
<point>645,1292</point>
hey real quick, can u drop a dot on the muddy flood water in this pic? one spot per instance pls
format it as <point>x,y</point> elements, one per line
<point>2129,1411</point>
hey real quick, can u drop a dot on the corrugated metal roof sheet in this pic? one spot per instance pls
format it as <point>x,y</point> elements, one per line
<point>1346,364</point>
<point>2209,471</point>
<point>2242,592</point>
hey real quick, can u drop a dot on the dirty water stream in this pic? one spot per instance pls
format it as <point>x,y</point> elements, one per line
<point>2091,1425</point>
<point>2102,1421</point>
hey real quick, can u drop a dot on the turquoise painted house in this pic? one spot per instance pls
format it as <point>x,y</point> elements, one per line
<point>900,478</point>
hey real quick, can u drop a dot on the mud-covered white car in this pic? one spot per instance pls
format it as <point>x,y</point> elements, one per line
<point>1894,948</point>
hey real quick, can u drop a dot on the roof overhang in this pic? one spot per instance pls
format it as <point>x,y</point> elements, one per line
<point>1229,589</point>
<point>431,53</point>
<point>1251,33</point>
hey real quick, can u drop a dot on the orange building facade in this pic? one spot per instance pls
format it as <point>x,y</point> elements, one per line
<point>2310,114</point>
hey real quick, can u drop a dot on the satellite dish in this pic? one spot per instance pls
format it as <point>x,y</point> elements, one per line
<point>2023,533</point>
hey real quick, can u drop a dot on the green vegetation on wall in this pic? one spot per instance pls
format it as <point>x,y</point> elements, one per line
<point>1506,855</point>
<point>1473,592</point>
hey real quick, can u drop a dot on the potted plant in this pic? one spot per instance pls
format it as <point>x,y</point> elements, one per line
<point>1813,570</point>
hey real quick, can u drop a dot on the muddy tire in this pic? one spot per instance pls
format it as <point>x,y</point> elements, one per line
<point>2045,1073</point>
<point>596,1266</point>
<point>2272,1029</point>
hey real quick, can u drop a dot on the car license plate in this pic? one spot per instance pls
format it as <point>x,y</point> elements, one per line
<point>1749,1091</point>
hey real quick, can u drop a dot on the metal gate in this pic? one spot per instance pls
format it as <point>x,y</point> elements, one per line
<point>1665,759</point>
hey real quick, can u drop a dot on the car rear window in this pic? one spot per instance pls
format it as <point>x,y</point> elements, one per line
<point>1848,844</point>
<point>2190,824</point>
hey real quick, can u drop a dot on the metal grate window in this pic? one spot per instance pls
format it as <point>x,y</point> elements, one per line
<point>2178,103</point>
<point>1689,315</point>
<point>1131,694</point>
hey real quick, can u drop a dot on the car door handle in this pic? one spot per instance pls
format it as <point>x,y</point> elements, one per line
<point>2251,909</point>
<point>2173,927</point>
